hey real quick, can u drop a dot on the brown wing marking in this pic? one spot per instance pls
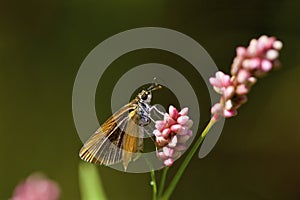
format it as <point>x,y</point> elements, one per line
<point>131,140</point>
<point>105,145</point>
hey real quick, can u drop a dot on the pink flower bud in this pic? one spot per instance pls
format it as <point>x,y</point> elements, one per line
<point>176,127</point>
<point>173,142</point>
<point>183,131</point>
<point>168,151</point>
<point>229,113</point>
<point>173,112</point>
<point>243,76</point>
<point>228,92</point>
<point>251,81</point>
<point>189,123</point>
<point>242,89</point>
<point>169,162</point>
<point>180,147</point>
<point>166,132</point>
<point>184,111</point>
<point>182,119</point>
<point>161,155</point>
<point>277,45</point>
<point>254,63</point>
<point>157,133</point>
<point>168,120</point>
<point>266,65</point>
<point>161,141</point>
<point>220,80</point>
<point>160,124</point>
<point>241,51</point>
<point>272,54</point>
<point>217,109</point>
<point>228,105</point>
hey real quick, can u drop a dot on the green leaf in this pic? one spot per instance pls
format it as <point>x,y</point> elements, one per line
<point>90,184</point>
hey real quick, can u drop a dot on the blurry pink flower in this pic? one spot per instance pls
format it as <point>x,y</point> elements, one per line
<point>172,133</point>
<point>36,187</point>
<point>260,57</point>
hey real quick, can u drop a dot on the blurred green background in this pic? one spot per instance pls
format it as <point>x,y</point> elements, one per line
<point>43,43</point>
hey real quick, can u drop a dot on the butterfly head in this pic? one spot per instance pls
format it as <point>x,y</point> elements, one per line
<point>146,95</point>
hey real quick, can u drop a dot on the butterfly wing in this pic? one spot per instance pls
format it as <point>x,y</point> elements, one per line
<point>106,145</point>
<point>132,141</point>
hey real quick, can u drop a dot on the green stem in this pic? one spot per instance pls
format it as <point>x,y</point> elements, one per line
<point>163,181</point>
<point>188,158</point>
<point>154,186</point>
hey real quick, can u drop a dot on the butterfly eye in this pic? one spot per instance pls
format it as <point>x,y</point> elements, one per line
<point>144,96</point>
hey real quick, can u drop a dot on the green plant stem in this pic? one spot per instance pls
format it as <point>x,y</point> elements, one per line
<point>185,163</point>
<point>163,181</point>
<point>154,186</point>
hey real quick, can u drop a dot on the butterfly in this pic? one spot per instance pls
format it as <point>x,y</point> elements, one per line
<point>119,137</point>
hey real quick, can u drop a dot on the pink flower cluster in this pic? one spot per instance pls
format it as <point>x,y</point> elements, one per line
<point>250,63</point>
<point>172,133</point>
<point>36,187</point>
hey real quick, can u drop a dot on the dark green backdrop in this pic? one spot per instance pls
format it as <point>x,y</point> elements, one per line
<point>42,45</point>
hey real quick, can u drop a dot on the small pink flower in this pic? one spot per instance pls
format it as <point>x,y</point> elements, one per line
<point>169,162</point>
<point>220,82</point>
<point>172,133</point>
<point>259,58</point>
<point>36,187</point>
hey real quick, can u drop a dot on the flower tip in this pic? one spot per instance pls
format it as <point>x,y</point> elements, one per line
<point>266,65</point>
<point>184,111</point>
<point>182,119</point>
<point>173,112</point>
<point>169,162</point>
<point>277,45</point>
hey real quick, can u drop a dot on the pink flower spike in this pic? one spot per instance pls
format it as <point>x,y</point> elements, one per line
<point>184,111</point>
<point>173,112</point>
<point>182,120</point>
<point>169,162</point>
<point>175,126</point>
